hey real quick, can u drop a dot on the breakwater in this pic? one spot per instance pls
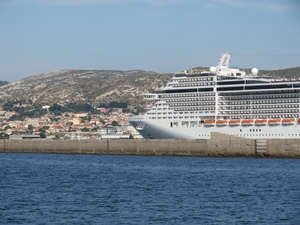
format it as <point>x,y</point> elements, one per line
<point>220,145</point>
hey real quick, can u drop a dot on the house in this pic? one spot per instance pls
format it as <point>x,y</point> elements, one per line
<point>107,130</point>
<point>78,115</point>
<point>33,122</point>
<point>83,125</point>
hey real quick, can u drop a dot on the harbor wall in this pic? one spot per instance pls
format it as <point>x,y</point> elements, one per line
<point>220,145</point>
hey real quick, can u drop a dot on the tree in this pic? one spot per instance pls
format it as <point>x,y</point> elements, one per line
<point>115,104</point>
<point>7,127</point>
<point>54,107</point>
<point>42,135</point>
<point>115,123</point>
<point>30,128</point>
<point>85,129</point>
<point>46,127</point>
<point>102,105</point>
<point>94,129</point>
<point>2,83</point>
<point>42,130</point>
<point>125,110</point>
<point>57,113</point>
<point>2,135</point>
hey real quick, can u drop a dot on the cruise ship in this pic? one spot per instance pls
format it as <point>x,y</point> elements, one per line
<point>193,104</point>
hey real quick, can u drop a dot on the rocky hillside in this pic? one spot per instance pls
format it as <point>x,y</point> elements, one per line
<point>84,86</point>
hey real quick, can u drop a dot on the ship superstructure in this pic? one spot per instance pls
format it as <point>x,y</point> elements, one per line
<point>195,103</point>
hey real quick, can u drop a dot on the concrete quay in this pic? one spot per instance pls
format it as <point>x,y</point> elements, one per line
<point>220,145</point>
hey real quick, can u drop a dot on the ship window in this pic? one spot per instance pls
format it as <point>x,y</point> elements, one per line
<point>185,123</point>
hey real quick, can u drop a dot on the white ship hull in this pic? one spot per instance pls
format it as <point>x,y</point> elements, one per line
<point>195,104</point>
<point>161,130</point>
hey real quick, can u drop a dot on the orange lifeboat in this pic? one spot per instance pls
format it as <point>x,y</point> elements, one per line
<point>274,122</point>
<point>221,122</point>
<point>209,123</point>
<point>247,122</point>
<point>234,122</point>
<point>288,121</point>
<point>260,122</point>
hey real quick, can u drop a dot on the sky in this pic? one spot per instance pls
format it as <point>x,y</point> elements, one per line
<point>165,36</point>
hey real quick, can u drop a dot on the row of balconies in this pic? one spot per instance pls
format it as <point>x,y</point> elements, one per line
<point>257,102</point>
<point>192,84</point>
<point>163,96</point>
<point>260,107</point>
<point>191,100</point>
<point>192,104</point>
<point>248,97</point>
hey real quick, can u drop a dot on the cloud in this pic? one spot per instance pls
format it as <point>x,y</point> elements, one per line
<point>268,5</point>
<point>166,2</point>
<point>51,3</point>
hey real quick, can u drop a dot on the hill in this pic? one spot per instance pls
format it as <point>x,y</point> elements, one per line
<point>84,86</point>
<point>283,73</point>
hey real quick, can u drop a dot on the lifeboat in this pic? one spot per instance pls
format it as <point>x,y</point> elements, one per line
<point>209,123</point>
<point>288,121</point>
<point>298,120</point>
<point>221,122</point>
<point>274,122</point>
<point>260,122</point>
<point>247,122</point>
<point>234,122</point>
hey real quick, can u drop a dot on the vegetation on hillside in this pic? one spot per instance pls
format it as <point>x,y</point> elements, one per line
<point>23,109</point>
<point>284,73</point>
<point>2,83</point>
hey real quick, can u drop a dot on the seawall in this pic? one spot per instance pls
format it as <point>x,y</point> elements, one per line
<point>220,145</point>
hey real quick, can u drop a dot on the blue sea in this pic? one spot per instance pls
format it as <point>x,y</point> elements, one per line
<point>94,189</point>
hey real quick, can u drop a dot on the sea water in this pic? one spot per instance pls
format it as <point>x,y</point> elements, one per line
<point>94,189</point>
